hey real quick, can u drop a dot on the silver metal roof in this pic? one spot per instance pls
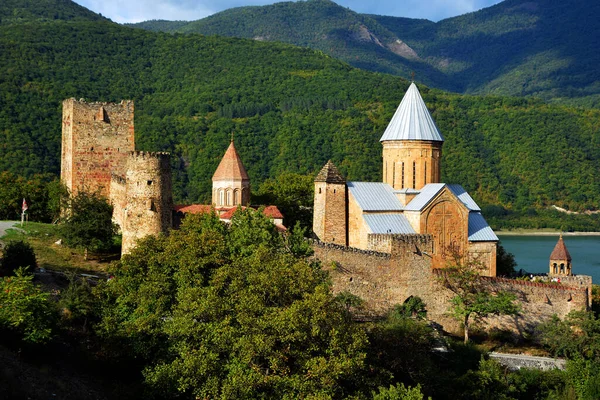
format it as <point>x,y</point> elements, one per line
<point>388,223</point>
<point>479,230</point>
<point>374,196</point>
<point>412,120</point>
<point>428,192</point>
<point>463,196</point>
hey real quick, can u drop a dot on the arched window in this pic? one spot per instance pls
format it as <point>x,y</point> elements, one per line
<point>414,175</point>
<point>402,174</point>
<point>221,197</point>
<point>555,268</point>
<point>236,197</point>
<point>562,268</point>
<point>229,197</point>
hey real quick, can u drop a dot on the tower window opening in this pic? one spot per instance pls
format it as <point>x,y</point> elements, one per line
<point>402,173</point>
<point>149,183</point>
<point>425,177</point>
<point>414,175</point>
<point>394,175</point>
<point>562,268</point>
<point>319,190</point>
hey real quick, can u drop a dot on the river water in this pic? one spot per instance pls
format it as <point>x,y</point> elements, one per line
<point>532,253</point>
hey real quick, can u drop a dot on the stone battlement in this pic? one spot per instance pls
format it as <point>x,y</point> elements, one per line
<point>149,154</point>
<point>346,249</point>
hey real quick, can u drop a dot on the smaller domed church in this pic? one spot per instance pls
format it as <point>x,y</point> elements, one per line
<point>409,200</point>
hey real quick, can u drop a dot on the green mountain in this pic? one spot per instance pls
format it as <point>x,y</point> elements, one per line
<point>291,109</point>
<point>20,11</point>
<point>542,48</point>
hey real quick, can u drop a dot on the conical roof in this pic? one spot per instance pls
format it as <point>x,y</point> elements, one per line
<point>330,174</point>
<point>230,167</point>
<point>560,251</point>
<point>412,120</point>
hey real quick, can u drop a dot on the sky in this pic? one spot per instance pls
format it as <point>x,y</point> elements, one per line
<point>189,10</point>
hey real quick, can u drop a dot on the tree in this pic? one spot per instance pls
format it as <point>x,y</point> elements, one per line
<point>89,222</point>
<point>25,308</point>
<point>17,253</point>
<point>223,312</point>
<point>473,297</point>
<point>292,194</point>
<point>505,261</point>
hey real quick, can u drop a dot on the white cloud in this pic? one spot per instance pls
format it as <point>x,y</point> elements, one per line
<point>142,10</point>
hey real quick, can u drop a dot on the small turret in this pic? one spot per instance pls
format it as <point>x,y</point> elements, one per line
<point>560,259</point>
<point>330,206</point>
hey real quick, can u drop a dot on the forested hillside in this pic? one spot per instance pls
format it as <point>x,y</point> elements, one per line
<point>517,47</point>
<point>290,109</point>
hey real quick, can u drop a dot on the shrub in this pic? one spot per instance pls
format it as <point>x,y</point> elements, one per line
<point>17,254</point>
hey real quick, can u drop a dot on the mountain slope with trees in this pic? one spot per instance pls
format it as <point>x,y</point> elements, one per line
<point>517,47</point>
<point>291,109</point>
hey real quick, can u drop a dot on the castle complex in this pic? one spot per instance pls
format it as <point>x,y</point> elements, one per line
<point>98,156</point>
<point>382,241</point>
<point>410,200</point>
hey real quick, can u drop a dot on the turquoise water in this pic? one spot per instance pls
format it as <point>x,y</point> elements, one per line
<point>532,253</point>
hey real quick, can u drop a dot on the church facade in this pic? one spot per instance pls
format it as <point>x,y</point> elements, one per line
<point>409,200</point>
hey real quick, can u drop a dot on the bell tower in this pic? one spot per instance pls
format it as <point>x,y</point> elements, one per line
<point>560,259</point>
<point>231,184</point>
<point>412,145</point>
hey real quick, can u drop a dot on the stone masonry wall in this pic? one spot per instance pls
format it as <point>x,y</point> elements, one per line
<point>96,138</point>
<point>149,197</point>
<point>383,280</point>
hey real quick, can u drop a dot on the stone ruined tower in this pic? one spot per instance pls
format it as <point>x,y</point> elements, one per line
<point>96,139</point>
<point>148,197</point>
<point>330,220</point>
<point>412,145</point>
<point>231,184</point>
<point>560,259</point>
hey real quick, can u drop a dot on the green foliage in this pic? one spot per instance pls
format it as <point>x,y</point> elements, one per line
<point>25,309</point>
<point>231,313</point>
<point>292,109</point>
<point>399,392</point>
<point>17,253</point>
<point>43,194</point>
<point>77,302</point>
<point>473,299</point>
<point>293,194</point>
<point>413,307</point>
<point>89,222</point>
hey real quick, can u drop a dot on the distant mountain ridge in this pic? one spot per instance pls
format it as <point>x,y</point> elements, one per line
<point>544,48</point>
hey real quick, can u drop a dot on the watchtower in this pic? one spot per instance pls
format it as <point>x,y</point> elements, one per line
<point>330,222</point>
<point>149,197</point>
<point>96,139</point>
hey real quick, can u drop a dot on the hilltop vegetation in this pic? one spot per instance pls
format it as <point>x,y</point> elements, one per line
<point>291,109</point>
<point>516,48</point>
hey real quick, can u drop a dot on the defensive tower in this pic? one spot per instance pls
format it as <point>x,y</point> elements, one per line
<point>149,197</point>
<point>96,138</point>
<point>231,184</point>
<point>560,259</point>
<point>330,219</point>
<point>412,145</point>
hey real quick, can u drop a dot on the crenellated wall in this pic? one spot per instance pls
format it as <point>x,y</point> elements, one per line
<point>384,279</point>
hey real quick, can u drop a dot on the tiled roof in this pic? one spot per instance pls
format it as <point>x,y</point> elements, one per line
<point>560,251</point>
<point>268,211</point>
<point>388,223</point>
<point>374,196</point>
<point>412,120</point>
<point>194,208</point>
<point>231,167</point>
<point>479,230</point>
<point>330,174</point>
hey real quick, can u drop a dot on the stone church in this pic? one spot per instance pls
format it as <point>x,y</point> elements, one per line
<point>410,200</point>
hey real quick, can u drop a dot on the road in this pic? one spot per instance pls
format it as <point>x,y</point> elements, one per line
<point>4,225</point>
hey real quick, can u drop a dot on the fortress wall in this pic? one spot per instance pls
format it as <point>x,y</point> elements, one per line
<point>383,280</point>
<point>96,139</point>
